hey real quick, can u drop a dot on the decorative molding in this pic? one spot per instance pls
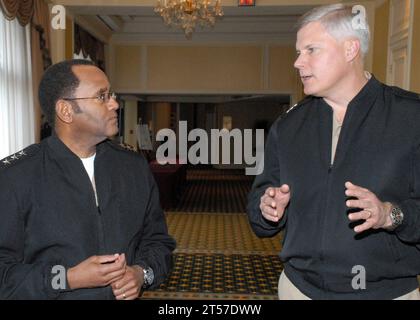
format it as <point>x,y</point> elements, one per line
<point>114,23</point>
<point>267,21</point>
<point>410,43</point>
<point>400,40</point>
<point>401,35</point>
<point>94,26</point>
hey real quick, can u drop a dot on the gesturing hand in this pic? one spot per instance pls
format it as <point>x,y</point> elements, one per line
<point>374,212</point>
<point>274,201</point>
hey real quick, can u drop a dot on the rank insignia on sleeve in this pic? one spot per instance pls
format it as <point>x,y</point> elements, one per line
<point>18,155</point>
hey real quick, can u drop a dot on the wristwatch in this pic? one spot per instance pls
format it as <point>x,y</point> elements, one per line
<point>397,217</point>
<point>149,276</point>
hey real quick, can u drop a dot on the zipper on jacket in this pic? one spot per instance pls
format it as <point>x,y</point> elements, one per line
<point>101,236</point>
<point>327,199</point>
<point>99,222</point>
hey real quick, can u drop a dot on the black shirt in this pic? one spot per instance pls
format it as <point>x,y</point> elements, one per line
<point>49,217</point>
<point>378,149</point>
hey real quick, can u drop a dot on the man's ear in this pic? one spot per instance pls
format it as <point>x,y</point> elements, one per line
<point>64,111</point>
<point>352,49</point>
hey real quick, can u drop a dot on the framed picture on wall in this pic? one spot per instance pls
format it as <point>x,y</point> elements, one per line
<point>244,3</point>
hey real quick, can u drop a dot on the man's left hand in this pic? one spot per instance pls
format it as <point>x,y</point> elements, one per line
<point>373,211</point>
<point>129,287</point>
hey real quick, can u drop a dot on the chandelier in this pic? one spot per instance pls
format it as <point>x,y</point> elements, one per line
<point>186,14</point>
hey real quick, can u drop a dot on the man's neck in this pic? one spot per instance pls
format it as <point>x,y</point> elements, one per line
<point>83,148</point>
<point>340,98</point>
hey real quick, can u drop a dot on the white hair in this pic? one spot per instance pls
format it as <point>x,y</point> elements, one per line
<point>338,20</point>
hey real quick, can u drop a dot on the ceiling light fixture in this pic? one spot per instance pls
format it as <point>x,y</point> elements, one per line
<point>186,14</point>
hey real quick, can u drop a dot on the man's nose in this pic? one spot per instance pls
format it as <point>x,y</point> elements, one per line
<point>113,104</point>
<point>298,62</point>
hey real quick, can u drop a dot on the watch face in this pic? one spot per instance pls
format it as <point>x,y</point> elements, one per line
<point>148,276</point>
<point>396,216</point>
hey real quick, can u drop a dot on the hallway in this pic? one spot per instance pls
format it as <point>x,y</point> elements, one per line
<point>218,256</point>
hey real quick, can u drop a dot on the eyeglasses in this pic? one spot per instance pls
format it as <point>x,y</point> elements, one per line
<point>103,97</point>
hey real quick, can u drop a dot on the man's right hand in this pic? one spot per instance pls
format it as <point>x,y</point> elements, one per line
<point>274,201</point>
<point>97,271</point>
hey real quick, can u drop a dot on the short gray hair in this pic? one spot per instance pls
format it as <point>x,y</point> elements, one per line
<point>337,19</point>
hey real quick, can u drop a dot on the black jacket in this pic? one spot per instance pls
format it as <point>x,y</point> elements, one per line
<point>49,217</point>
<point>379,149</point>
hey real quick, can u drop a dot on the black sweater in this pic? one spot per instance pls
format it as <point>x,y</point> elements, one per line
<point>49,217</point>
<point>378,149</point>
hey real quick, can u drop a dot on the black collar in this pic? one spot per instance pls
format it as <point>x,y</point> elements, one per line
<point>62,151</point>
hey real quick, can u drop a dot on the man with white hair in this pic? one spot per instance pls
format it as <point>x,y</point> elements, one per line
<point>342,173</point>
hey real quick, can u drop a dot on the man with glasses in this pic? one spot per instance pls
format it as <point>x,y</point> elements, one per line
<point>80,216</point>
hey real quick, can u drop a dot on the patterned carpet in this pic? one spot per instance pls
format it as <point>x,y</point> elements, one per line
<point>218,276</point>
<point>215,191</point>
<point>218,256</point>
<point>228,233</point>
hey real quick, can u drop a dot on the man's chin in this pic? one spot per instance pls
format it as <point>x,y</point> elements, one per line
<point>310,92</point>
<point>110,136</point>
<point>113,132</point>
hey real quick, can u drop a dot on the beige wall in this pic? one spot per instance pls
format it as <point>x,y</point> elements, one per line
<point>203,69</point>
<point>282,73</point>
<point>415,53</point>
<point>126,64</point>
<point>380,42</point>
